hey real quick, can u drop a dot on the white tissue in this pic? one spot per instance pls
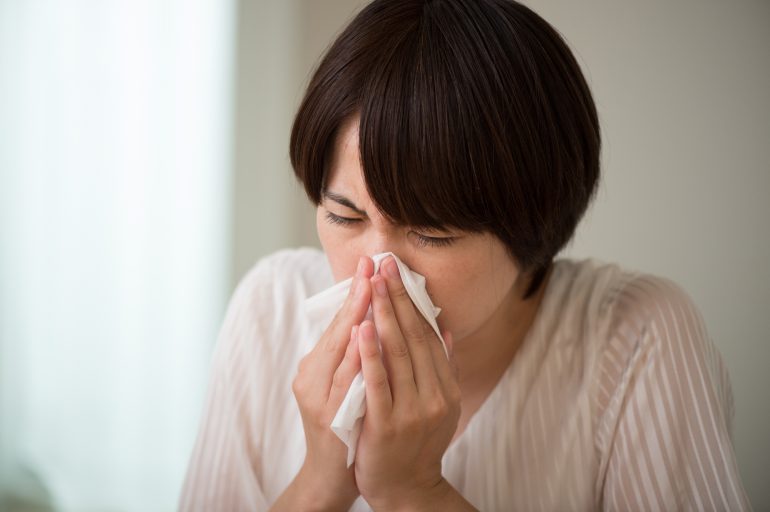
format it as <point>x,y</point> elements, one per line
<point>323,306</point>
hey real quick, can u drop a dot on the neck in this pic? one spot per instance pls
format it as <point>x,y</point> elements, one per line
<point>486,353</point>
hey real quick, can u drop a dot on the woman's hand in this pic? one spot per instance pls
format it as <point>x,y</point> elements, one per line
<point>323,379</point>
<point>412,400</point>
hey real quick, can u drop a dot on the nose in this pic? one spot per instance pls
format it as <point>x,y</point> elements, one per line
<point>376,242</point>
<point>387,240</point>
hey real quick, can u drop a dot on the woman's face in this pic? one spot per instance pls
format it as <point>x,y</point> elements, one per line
<point>468,275</point>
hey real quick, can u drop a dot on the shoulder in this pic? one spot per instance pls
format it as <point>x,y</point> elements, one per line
<point>579,300</point>
<point>654,316</point>
<point>649,313</point>
<point>651,301</point>
<point>663,394</point>
<point>632,325</point>
<point>289,272</point>
<point>265,310</point>
<point>272,291</point>
<point>658,342</point>
<point>623,302</point>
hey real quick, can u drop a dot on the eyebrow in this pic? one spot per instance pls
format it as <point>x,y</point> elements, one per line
<point>344,201</point>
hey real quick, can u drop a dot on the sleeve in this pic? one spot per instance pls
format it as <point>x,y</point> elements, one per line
<point>664,434</point>
<point>224,469</point>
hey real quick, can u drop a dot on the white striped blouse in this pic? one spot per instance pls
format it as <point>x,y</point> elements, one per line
<point>616,400</point>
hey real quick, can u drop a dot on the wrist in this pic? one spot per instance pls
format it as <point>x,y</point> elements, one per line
<point>423,499</point>
<point>310,493</point>
<point>323,495</point>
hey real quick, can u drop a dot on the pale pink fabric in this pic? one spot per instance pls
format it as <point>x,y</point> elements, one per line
<point>617,400</point>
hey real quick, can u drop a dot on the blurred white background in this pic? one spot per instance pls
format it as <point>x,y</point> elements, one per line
<point>144,168</point>
<point>115,157</point>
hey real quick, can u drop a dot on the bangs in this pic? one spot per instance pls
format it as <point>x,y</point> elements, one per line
<point>424,111</point>
<point>422,162</point>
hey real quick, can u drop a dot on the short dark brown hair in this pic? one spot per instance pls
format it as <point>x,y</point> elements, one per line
<point>473,114</point>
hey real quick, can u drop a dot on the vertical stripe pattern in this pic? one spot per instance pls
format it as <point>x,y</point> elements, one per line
<point>617,400</point>
<point>665,407</point>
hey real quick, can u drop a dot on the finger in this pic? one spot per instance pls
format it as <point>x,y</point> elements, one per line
<point>418,333</point>
<point>356,304</point>
<point>395,351</point>
<point>346,372</point>
<point>443,364</point>
<point>379,401</point>
<point>330,349</point>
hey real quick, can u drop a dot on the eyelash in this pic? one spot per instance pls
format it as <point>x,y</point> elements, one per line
<point>422,240</point>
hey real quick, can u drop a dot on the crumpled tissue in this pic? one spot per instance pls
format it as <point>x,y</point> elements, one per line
<point>324,305</point>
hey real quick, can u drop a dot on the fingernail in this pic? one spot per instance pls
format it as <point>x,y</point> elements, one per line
<point>379,286</point>
<point>366,331</point>
<point>361,264</point>
<point>390,268</point>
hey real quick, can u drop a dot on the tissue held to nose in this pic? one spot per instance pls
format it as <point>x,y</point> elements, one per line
<point>324,305</point>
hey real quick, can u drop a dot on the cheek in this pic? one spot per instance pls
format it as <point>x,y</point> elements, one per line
<point>467,299</point>
<point>448,290</point>
<point>459,303</point>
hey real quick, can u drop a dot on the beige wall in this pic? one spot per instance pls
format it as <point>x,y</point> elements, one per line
<point>279,44</point>
<point>682,91</point>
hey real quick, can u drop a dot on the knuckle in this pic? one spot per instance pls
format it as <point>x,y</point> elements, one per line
<point>380,382</point>
<point>370,351</point>
<point>399,292</point>
<point>299,387</point>
<point>398,350</point>
<point>424,338</point>
<point>437,409</point>
<point>418,333</point>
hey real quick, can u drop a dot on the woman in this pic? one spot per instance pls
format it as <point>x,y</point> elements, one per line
<point>461,136</point>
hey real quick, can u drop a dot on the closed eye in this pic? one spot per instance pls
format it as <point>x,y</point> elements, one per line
<point>337,219</point>
<point>422,240</point>
<point>432,241</point>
